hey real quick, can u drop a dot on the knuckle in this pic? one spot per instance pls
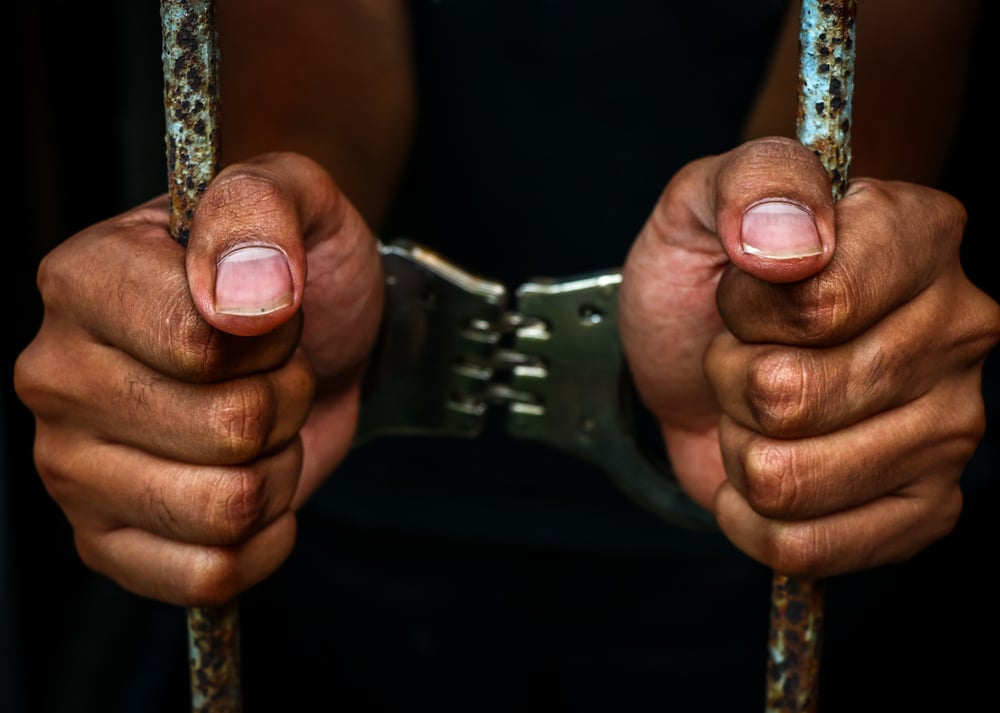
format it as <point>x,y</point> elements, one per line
<point>240,505</point>
<point>196,351</point>
<point>778,392</point>
<point>88,550</point>
<point>58,467</point>
<point>937,520</point>
<point>243,419</point>
<point>772,486</point>
<point>30,383</point>
<point>986,329</point>
<point>949,512</point>
<point>240,190</point>
<point>954,215</point>
<point>39,379</point>
<point>211,580</point>
<point>60,485</point>
<point>825,305</point>
<point>957,415</point>
<point>197,347</point>
<point>51,279</point>
<point>971,426</point>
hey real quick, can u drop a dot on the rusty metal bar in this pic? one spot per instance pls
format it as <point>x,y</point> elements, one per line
<point>191,104</point>
<point>826,85</point>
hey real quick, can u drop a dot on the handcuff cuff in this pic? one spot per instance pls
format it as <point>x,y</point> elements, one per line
<point>453,344</point>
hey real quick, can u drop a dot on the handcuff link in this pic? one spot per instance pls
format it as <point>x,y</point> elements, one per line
<point>452,346</point>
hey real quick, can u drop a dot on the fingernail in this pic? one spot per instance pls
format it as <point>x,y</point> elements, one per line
<point>780,230</point>
<point>252,280</point>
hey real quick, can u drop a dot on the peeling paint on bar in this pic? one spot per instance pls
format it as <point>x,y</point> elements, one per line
<point>794,645</point>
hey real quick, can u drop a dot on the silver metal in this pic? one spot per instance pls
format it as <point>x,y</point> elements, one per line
<point>453,346</point>
<point>431,368</point>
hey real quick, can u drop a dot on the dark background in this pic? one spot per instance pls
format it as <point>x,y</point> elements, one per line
<point>84,126</point>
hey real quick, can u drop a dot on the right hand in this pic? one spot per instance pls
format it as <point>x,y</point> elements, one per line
<point>187,402</point>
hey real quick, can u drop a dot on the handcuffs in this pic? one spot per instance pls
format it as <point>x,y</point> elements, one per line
<point>452,346</point>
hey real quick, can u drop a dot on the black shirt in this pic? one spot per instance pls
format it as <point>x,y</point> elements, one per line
<point>546,132</point>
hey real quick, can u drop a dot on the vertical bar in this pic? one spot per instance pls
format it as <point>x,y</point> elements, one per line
<point>214,660</point>
<point>826,87</point>
<point>191,105</point>
<point>826,84</point>
<point>794,645</point>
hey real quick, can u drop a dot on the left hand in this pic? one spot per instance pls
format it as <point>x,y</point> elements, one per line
<point>814,367</point>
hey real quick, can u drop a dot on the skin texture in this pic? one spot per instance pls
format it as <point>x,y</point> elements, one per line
<point>843,387</point>
<point>815,368</point>
<point>339,85</point>
<point>181,438</point>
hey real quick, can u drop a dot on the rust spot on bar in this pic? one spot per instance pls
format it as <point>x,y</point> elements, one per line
<point>794,644</point>
<point>214,638</point>
<point>826,84</point>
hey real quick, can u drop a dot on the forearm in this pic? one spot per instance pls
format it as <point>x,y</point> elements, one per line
<point>332,80</point>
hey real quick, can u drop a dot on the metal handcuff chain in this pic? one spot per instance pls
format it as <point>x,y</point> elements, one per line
<point>452,346</point>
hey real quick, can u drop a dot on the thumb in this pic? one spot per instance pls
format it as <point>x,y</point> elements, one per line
<point>775,211</point>
<point>246,261</point>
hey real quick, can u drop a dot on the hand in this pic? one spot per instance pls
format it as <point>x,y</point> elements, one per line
<point>815,368</point>
<point>187,402</point>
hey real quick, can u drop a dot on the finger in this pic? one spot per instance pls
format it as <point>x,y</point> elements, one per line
<point>671,276</point>
<point>893,241</point>
<point>107,486</point>
<point>789,392</point>
<point>246,259</point>
<point>181,573</point>
<point>122,283</point>
<point>774,210</point>
<point>794,479</point>
<point>120,400</point>
<point>888,530</point>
